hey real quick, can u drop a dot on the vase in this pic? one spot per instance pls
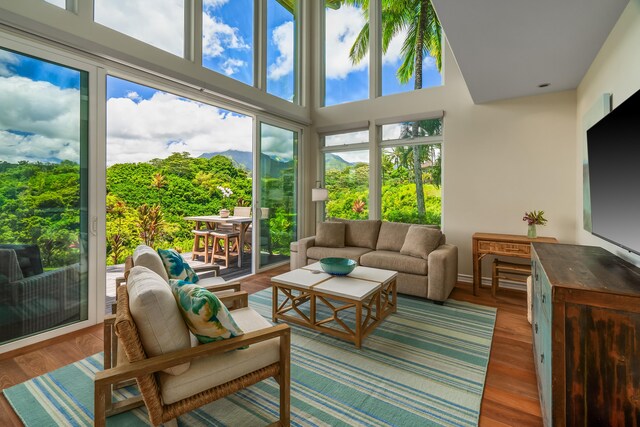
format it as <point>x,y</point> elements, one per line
<point>224,213</point>
<point>532,232</point>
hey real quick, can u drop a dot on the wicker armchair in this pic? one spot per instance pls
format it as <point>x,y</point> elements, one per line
<point>147,370</point>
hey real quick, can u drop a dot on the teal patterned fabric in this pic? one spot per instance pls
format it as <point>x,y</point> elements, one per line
<point>176,267</point>
<point>207,318</point>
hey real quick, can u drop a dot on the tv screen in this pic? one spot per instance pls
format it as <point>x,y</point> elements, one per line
<point>613,146</point>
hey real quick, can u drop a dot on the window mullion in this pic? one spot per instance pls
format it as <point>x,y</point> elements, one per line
<point>260,45</point>
<point>375,49</point>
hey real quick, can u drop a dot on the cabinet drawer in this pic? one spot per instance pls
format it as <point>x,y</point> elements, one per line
<point>545,291</point>
<point>506,249</point>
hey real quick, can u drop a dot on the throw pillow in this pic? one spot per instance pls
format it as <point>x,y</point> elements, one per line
<point>176,267</point>
<point>420,241</point>
<point>206,317</point>
<point>330,234</point>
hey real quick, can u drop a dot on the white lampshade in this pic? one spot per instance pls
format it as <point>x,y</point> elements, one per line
<point>319,194</point>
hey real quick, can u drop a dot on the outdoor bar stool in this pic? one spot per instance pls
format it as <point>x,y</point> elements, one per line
<point>202,244</point>
<point>225,245</point>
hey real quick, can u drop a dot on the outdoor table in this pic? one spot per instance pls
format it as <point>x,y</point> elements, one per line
<point>211,221</point>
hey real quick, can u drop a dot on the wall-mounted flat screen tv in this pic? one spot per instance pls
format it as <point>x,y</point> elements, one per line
<point>613,146</point>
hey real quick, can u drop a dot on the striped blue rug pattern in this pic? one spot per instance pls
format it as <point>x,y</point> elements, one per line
<point>424,366</point>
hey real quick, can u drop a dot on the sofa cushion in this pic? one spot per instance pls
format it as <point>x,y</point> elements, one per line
<point>145,256</point>
<point>28,258</point>
<point>177,268</point>
<point>9,267</point>
<point>211,371</point>
<point>155,312</point>
<point>206,317</point>
<point>330,234</point>
<point>420,241</point>
<point>361,233</point>
<point>390,260</point>
<point>391,236</point>
<point>319,252</point>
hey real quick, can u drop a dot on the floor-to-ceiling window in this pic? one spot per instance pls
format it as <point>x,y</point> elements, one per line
<point>169,157</point>
<point>278,180</point>
<point>44,228</point>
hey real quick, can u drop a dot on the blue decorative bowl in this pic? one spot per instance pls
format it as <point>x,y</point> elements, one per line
<point>338,266</point>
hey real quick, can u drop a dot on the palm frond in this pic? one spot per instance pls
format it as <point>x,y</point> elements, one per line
<point>360,47</point>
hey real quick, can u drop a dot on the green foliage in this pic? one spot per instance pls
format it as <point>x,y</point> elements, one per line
<point>40,205</point>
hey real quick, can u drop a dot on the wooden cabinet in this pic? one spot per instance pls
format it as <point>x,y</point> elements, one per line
<point>586,329</point>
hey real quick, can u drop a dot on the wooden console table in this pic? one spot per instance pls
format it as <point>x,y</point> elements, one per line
<point>500,244</point>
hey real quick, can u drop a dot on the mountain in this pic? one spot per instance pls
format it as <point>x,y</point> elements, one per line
<point>243,158</point>
<point>333,161</point>
<point>271,165</point>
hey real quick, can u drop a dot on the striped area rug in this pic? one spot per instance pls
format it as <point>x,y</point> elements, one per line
<point>424,366</point>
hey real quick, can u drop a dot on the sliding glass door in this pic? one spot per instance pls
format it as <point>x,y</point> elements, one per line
<point>277,207</point>
<point>44,240</point>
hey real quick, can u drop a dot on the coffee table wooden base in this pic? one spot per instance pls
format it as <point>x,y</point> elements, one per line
<point>369,313</point>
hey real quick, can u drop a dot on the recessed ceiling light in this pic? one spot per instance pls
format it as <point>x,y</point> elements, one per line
<point>544,84</point>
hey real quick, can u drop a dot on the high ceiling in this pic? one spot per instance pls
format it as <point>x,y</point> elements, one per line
<point>506,48</point>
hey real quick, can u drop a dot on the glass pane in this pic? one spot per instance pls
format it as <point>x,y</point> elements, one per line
<point>346,176</point>
<point>398,28</point>
<point>346,77</point>
<point>59,3</point>
<point>281,48</point>
<point>43,196</point>
<point>278,201</point>
<point>169,157</point>
<point>410,130</point>
<point>161,26</point>
<point>227,38</point>
<point>404,169</point>
<point>346,138</point>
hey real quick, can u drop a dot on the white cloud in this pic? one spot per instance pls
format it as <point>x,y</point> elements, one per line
<point>343,26</point>
<point>214,3</point>
<point>232,66</point>
<point>218,36</point>
<point>133,95</point>
<point>6,60</point>
<point>347,138</point>
<point>161,25</point>
<point>47,117</point>
<point>165,123</point>
<point>284,39</point>
<point>276,142</point>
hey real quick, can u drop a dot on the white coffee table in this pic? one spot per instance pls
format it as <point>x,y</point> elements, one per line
<point>371,292</point>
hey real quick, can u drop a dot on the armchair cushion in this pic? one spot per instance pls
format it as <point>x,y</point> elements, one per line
<point>28,258</point>
<point>207,318</point>
<point>156,315</point>
<point>330,234</point>
<point>420,241</point>
<point>9,267</point>
<point>176,266</point>
<point>145,256</point>
<point>211,371</point>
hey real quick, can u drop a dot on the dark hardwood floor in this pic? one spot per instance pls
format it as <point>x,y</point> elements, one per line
<point>510,395</point>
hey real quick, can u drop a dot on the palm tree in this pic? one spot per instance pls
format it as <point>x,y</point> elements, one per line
<point>424,36</point>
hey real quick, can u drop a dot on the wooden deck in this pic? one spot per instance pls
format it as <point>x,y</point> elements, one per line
<point>510,396</point>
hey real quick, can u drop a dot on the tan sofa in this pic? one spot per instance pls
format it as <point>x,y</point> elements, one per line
<point>427,267</point>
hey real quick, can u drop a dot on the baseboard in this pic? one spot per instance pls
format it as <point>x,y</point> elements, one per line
<point>486,281</point>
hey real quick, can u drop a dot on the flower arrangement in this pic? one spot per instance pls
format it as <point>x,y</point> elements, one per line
<point>226,191</point>
<point>534,218</point>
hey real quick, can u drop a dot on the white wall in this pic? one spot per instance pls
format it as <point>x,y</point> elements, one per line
<point>615,70</point>
<point>499,159</point>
